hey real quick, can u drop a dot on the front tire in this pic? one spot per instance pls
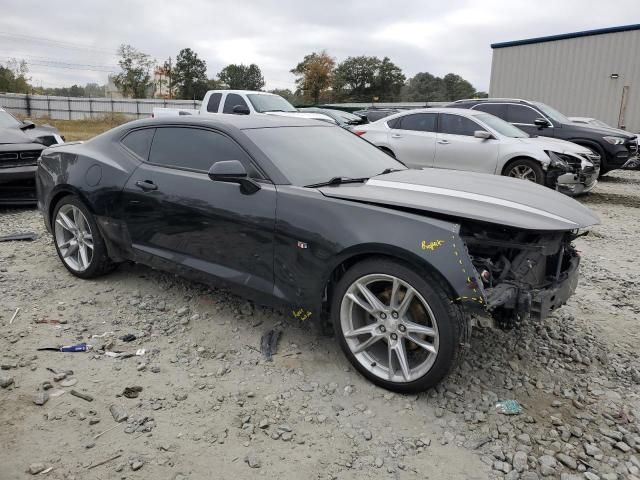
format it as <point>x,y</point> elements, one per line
<point>525,169</point>
<point>78,241</point>
<point>398,328</point>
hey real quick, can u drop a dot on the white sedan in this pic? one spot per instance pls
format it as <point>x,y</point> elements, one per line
<point>462,139</point>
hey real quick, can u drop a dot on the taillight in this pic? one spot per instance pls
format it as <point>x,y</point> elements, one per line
<point>359,132</point>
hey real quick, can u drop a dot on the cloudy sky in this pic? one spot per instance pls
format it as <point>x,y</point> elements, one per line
<point>67,42</point>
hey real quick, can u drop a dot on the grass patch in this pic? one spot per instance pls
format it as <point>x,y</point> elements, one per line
<point>74,130</point>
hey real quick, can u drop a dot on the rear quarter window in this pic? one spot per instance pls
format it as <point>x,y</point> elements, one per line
<point>213,104</point>
<point>139,142</point>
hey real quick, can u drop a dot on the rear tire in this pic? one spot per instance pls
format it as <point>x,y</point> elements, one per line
<point>426,330</point>
<point>525,169</point>
<point>78,241</point>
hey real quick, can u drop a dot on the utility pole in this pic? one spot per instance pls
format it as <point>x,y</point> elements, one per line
<point>169,77</point>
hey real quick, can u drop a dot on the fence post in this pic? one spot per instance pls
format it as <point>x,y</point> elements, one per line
<point>28,99</point>
<point>137,109</point>
<point>69,106</point>
<point>90,108</point>
<point>111,109</point>
<point>48,106</point>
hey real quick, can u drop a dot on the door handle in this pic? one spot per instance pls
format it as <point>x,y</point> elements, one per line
<point>396,135</point>
<point>443,142</point>
<point>146,185</point>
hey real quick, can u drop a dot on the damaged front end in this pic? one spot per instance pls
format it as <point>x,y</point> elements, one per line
<point>525,275</point>
<point>572,173</point>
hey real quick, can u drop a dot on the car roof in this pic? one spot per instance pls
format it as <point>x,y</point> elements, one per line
<point>243,91</point>
<point>459,111</point>
<point>241,122</point>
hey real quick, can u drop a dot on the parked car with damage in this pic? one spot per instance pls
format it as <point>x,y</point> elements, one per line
<point>474,141</point>
<point>21,143</point>
<point>304,215</point>
<point>617,149</point>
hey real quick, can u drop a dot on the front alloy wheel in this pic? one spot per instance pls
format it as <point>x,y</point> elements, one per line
<point>526,169</point>
<point>74,238</point>
<point>397,327</point>
<point>389,328</point>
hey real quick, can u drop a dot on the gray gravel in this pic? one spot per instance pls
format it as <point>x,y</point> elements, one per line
<point>212,406</point>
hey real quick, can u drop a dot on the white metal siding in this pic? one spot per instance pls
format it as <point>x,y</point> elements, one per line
<point>574,75</point>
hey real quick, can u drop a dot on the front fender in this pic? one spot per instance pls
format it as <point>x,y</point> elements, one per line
<point>309,248</point>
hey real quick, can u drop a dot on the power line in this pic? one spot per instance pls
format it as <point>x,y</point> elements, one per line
<point>58,43</point>
<point>70,66</point>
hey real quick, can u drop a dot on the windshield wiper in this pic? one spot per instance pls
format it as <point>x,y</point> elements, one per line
<point>338,181</point>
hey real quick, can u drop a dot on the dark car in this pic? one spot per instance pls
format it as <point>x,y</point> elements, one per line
<point>374,114</point>
<point>20,146</point>
<point>306,215</point>
<point>344,119</point>
<point>617,148</point>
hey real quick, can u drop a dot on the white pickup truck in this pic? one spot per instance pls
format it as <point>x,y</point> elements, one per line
<point>242,102</point>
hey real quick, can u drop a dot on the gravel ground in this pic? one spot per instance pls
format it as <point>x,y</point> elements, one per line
<point>202,402</point>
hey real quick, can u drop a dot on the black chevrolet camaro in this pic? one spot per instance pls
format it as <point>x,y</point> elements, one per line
<point>306,215</point>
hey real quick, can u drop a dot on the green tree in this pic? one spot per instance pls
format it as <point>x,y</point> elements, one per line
<point>424,87</point>
<point>388,81</point>
<point>135,78</point>
<point>368,78</point>
<point>456,87</point>
<point>13,77</point>
<point>190,75</point>
<point>354,77</point>
<point>242,77</point>
<point>314,74</point>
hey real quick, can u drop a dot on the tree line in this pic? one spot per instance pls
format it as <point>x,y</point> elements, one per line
<point>318,79</point>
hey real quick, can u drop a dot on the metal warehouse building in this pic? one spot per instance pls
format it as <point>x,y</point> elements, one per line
<point>594,73</point>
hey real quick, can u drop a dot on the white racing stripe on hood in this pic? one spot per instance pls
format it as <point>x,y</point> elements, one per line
<point>467,195</point>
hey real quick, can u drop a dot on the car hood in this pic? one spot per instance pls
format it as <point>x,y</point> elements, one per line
<point>614,132</point>
<point>488,198</point>
<point>555,145</point>
<point>14,135</point>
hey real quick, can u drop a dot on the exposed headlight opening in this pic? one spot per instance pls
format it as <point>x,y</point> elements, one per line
<point>614,140</point>
<point>558,162</point>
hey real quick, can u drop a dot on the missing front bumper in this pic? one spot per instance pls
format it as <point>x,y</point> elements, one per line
<point>523,302</point>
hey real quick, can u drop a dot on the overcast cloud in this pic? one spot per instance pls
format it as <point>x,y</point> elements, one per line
<point>438,37</point>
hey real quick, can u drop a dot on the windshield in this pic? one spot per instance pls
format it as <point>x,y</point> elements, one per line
<point>309,155</point>
<point>7,120</point>
<point>269,103</point>
<point>500,126</point>
<point>552,113</point>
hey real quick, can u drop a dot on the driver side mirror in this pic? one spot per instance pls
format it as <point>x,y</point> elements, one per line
<point>542,122</point>
<point>241,110</point>
<point>232,171</point>
<point>482,134</point>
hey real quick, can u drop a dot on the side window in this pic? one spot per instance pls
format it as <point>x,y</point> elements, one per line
<point>139,142</point>
<point>195,149</point>
<point>214,102</point>
<point>393,123</point>
<point>419,122</point>
<point>522,114</point>
<point>457,125</point>
<point>497,109</point>
<point>231,101</point>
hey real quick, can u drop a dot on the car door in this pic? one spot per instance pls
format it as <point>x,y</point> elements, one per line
<point>178,217</point>
<point>412,138</point>
<point>524,117</point>
<point>458,149</point>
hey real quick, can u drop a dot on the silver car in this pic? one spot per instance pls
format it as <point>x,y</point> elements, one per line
<point>462,139</point>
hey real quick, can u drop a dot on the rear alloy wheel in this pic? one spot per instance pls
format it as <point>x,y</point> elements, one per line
<point>395,327</point>
<point>78,240</point>
<point>526,170</point>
